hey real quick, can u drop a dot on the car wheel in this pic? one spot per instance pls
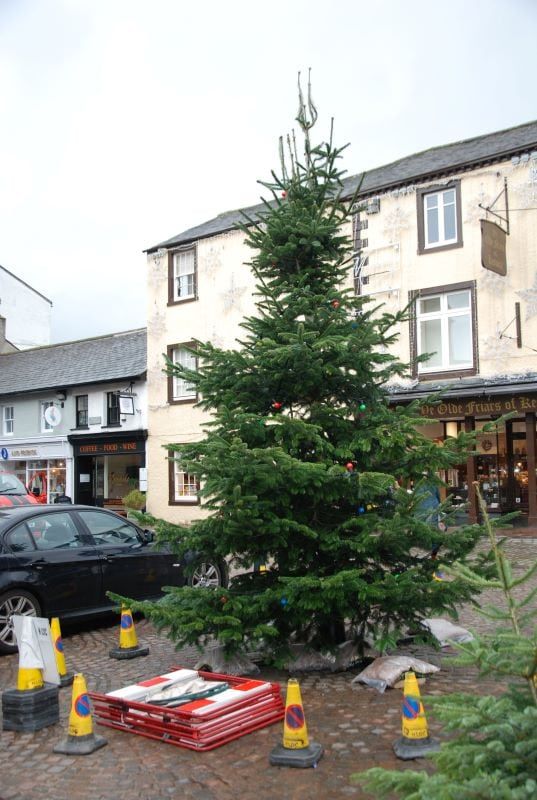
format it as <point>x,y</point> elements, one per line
<point>209,574</point>
<point>19,602</point>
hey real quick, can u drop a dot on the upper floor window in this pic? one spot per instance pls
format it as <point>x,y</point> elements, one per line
<point>46,426</point>
<point>8,420</point>
<point>182,275</point>
<point>439,217</point>
<point>179,389</point>
<point>445,330</point>
<point>112,408</point>
<point>82,411</point>
<point>183,487</point>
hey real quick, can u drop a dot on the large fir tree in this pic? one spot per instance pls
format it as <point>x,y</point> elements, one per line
<point>299,463</point>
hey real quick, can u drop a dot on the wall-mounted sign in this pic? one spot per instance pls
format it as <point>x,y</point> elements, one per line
<point>126,404</point>
<point>53,416</point>
<point>25,452</point>
<point>493,254</point>
<point>480,407</point>
<point>95,420</point>
<point>4,453</point>
<point>84,477</point>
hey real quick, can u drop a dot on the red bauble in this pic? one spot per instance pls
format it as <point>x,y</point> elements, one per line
<point>335,304</point>
<point>223,600</point>
<point>276,405</point>
<point>284,195</point>
<point>349,466</point>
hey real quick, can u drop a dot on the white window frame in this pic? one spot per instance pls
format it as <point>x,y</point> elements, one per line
<point>440,206</point>
<point>8,420</point>
<point>444,314</point>
<point>181,389</point>
<point>185,486</point>
<point>184,274</point>
<point>45,427</point>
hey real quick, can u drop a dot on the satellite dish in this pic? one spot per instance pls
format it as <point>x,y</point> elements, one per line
<point>53,416</point>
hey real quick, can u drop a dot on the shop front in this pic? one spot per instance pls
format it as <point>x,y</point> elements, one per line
<point>504,459</point>
<point>45,468</point>
<point>107,467</point>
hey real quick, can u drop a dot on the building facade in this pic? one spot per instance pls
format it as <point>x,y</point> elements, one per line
<point>73,418</point>
<point>452,232</point>
<point>26,311</point>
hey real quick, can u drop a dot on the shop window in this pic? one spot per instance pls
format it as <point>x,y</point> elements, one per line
<point>112,408</point>
<point>439,218</point>
<point>182,275</point>
<point>82,411</point>
<point>443,327</point>
<point>45,426</point>
<point>184,488</point>
<point>179,389</point>
<point>8,420</point>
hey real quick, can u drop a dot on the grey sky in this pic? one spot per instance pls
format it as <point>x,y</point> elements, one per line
<point>125,122</point>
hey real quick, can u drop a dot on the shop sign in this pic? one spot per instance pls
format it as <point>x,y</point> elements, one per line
<point>493,254</point>
<point>480,407</point>
<point>109,448</point>
<point>25,452</point>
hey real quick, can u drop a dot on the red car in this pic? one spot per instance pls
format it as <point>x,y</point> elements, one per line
<point>13,492</point>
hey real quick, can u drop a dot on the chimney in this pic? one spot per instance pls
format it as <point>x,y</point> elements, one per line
<point>5,346</point>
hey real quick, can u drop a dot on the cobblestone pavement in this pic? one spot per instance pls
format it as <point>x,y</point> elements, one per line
<point>356,726</point>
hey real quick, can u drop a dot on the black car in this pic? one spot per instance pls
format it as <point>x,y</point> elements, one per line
<point>59,561</point>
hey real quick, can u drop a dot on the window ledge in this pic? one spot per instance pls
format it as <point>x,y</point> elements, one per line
<point>80,428</point>
<point>182,300</point>
<point>111,426</point>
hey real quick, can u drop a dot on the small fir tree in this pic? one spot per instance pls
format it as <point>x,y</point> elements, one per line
<point>301,456</point>
<point>494,753</point>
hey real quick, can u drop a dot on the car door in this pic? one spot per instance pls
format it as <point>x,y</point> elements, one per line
<point>130,566</point>
<point>60,563</point>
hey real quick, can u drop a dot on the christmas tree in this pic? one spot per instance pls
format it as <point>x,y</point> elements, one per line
<point>304,466</point>
<point>493,753</point>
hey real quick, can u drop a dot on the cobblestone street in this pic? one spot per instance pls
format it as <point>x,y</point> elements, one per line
<point>356,725</point>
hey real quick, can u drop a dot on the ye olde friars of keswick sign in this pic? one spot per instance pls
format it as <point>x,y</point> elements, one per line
<point>479,407</point>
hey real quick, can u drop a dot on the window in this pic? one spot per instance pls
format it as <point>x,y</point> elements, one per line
<point>82,411</point>
<point>8,417</point>
<point>54,532</point>
<point>445,329</point>
<point>112,408</point>
<point>44,424</point>
<point>439,218</point>
<point>107,529</point>
<point>184,488</point>
<point>182,268</point>
<point>179,389</point>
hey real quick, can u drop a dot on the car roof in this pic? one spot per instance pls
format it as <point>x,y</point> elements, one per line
<point>11,514</point>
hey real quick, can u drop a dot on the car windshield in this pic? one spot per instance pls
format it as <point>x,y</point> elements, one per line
<point>10,484</point>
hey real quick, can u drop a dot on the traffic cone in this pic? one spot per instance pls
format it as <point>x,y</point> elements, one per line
<point>33,704</point>
<point>66,678</point>
<point>415,741</point>
<point>296,750</point>
<point>81,741</point>
<point>128,641</point>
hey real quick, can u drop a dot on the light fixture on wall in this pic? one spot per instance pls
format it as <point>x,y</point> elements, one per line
<point>451,429</point>
<point>61,395</point>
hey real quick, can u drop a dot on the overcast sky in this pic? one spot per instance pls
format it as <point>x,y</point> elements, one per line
<point>125,122</point>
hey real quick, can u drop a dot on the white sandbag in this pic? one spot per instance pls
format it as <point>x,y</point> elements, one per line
<point>387,670</point>
<point>447,632</point>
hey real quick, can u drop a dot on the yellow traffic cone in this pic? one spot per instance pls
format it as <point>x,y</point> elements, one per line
<point>33,704</point>
<point>296,750</point>
<point>128,641</point>
<point>66,678</point>
<point>80,737</point>
<point>415,741</point>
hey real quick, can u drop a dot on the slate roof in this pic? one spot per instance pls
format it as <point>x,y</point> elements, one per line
<point>437,161</point>
<point>114,357</point>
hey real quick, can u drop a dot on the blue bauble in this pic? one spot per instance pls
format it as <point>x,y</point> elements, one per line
<point>361,510</point>
<point>283,601</point>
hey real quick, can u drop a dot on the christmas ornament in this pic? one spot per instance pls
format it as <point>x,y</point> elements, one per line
<point>361,510</point>
<point>362,406</point>
<point>276,405</point>
<point>335,304</point>
<point>283,601</point>
<point>223,600</point>
<point>349,466</point>
<point>284,195</point>
<point>354,325</point>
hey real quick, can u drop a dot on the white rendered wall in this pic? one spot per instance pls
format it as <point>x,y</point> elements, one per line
<point>27,313</point>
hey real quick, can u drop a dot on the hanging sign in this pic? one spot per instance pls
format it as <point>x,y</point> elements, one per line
<point>53,416</point>
<point>126,404</point>
<point>493,255</point>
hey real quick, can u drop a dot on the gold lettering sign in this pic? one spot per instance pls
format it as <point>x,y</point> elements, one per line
<point>493,255</point>
<point>480,407</point>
